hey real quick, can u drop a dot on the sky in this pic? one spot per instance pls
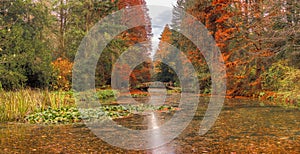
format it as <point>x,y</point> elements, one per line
<point>160,12</point>
<point>161,2</point>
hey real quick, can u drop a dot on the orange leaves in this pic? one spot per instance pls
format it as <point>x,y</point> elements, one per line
<point>223,18</point>
<point>127,3</point>
<point>240,77</point>
<point>139,15</point>
<point>219,2</point>
<point>166,35</point>
<point>218,22</point>
<point>141,74</point>
<point>163,50</point>
<point>138,34</point>
<point>64,68</point>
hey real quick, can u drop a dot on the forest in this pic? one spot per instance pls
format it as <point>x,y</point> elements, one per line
<point>259,41</point>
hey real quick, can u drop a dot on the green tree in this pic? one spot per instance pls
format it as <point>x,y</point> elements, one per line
<point>75,18</point>
<point>24,53</point>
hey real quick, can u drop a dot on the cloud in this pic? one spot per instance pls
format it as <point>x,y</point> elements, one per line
<point>160,16</point>
<point>160,12</point>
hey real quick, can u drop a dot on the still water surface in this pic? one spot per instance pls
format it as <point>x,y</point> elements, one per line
<point>242,127</point>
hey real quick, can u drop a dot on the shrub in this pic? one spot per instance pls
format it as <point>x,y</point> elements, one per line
<point>105,94</point>
<point>274,77</point>
<point>63,68</point>
<point>285,81</point>
<point>11,80</point>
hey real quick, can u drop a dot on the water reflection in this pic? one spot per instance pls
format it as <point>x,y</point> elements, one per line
<point>153,124</point>
<point>157,97</point>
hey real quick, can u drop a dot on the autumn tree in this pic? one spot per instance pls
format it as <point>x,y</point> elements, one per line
<point>63,74</point>
<point>262,31</point>
<point>164,72</point>
<point>246,31</point>
<point>140,34</point>
<point>216,17</point>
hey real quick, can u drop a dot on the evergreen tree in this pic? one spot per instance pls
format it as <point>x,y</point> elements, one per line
<point>24,53</point>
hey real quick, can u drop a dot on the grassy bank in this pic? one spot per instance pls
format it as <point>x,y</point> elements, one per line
<point>38,106</point>
<point>16,105</point>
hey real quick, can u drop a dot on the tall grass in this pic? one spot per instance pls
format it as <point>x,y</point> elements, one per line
<point>14,106</point>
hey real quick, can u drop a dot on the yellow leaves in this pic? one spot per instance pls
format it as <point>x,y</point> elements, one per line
<point>64,68</point>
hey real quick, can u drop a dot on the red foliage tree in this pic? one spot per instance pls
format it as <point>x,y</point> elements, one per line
<point>138,15</point>
<point>140,34</point>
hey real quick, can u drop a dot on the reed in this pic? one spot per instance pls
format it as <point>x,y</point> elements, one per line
<point>15,105</point>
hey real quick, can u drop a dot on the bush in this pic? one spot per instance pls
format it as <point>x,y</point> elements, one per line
<point>294,59</point>
<point>106,94</point>
<point>63,74</point>
<point>280,77</point>
<point>204,82</point>
<point>273,78</point>
<point>12,80</point>
<point>285,81</point>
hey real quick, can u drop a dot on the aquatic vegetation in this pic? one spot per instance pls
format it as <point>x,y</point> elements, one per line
<point>121,111</point>
<point>104,112</point>
<point>67,115</point>
<point>167,108</point>
<point>54,116</point>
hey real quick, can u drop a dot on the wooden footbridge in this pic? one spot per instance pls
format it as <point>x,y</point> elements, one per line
<point>145,86</point>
